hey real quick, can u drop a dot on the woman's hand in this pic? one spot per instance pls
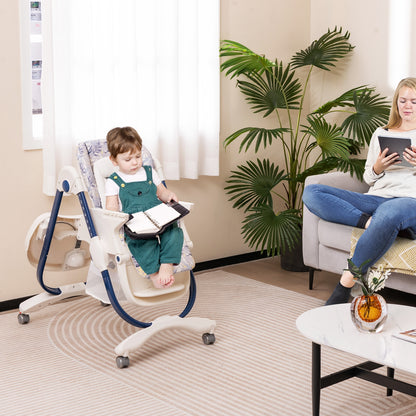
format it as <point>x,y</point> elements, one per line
<point>410,155</point>
<point>383,161</point>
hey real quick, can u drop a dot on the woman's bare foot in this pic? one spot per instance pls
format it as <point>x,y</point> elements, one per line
<point>164,278</point>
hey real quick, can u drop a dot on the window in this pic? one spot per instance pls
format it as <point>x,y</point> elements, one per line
<point>31,73</point>
<point>150,64</point>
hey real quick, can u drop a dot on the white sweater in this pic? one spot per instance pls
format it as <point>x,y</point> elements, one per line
<point>396,181</point>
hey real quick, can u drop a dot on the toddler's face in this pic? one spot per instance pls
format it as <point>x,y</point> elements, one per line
<point>129,162</point>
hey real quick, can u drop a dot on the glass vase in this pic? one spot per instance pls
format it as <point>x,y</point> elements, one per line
<point>369,312</point>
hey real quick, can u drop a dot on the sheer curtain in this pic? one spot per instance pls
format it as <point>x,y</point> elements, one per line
<point>152,65</point>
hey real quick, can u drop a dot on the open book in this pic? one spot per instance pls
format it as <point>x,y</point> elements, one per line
<point>409,335</point>
<point>152,222</point>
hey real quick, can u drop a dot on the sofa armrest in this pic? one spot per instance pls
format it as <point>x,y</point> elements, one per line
<point>310,238</point>
<point>342,180</point>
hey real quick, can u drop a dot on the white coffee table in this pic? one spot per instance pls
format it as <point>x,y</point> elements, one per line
<point>332,326</point>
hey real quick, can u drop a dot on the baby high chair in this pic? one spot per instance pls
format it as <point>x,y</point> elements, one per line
<point>118,277</point>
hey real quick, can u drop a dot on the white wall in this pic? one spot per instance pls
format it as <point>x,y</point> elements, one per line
<point>384,37</point>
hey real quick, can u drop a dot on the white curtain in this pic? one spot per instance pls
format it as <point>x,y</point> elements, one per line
<point>152,65</point>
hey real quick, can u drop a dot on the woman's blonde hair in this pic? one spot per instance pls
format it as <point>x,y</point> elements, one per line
<point>395,119</point>
<point>122,140</point>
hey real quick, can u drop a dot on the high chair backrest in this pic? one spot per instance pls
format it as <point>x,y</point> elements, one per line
<point>102,169</point>
<point>88,153</point>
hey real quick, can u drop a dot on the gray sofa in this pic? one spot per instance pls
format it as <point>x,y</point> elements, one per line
<point>326,245</point>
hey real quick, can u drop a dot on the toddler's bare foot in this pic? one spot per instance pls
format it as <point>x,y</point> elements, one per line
<point>158,283</point>
<point>164,278</point>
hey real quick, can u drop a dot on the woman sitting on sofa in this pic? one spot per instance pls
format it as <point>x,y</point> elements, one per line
<point>389,206</point>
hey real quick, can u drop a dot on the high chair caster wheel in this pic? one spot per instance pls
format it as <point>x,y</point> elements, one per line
<point>208,338</point>
<point>23,318</point>
<point>122,362</point>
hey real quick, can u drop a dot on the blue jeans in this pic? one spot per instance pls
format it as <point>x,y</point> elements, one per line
<point>389,216</point>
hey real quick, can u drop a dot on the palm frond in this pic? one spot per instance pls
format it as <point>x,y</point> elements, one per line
<point>322,166</point>
<point>352,165</point>
<point>355,147</point>
<point>251,184</point>
<point>256,135</point>
<point>324,52</point>
<point>275,233</point>
<point>371,111</point>
<point>344,100</point>
<point>328,137</point>
<point>275,89</point>
<point>243,61</point>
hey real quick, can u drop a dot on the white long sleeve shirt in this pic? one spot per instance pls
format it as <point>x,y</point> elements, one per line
<point>396,181</point>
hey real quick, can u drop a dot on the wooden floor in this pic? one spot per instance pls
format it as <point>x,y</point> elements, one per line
<point>268,270</point>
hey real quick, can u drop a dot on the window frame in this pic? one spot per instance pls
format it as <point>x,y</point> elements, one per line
<point>29,142</point>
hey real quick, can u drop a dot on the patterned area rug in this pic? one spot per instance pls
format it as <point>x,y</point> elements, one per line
<point>63,361</point>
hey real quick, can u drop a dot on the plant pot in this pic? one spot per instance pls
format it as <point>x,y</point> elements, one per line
<point>369,312</point>
<point>292,261</point>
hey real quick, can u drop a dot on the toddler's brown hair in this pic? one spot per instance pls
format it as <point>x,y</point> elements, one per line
<point>122,140</point>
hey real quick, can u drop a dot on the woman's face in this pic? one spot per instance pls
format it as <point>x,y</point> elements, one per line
<point>406,104</point>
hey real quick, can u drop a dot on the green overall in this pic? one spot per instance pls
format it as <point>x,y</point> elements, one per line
<point>149,254</point>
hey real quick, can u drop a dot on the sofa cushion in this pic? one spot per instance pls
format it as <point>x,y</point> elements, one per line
<point>332,260</point>
<point>333,235</point>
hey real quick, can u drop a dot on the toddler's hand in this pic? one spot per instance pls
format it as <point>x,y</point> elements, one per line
<point>165,195</point>
<point>171,197</point>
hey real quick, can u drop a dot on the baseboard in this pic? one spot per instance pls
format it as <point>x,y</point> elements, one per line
<point>11,304</point>
<point>201,266</point>
<point>226,261</point>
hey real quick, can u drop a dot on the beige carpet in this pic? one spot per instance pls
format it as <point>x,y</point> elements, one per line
<point>63,361</point>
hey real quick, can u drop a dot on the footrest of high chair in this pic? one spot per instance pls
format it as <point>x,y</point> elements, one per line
<point>152,292</point>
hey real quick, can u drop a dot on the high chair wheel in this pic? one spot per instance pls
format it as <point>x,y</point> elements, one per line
<point>208,338</point>
<point>122,362</point>
<point>23,318</point>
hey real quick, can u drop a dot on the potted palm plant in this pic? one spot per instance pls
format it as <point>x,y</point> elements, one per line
<point>330,137</point>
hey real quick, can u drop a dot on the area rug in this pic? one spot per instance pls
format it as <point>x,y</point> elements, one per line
<point>63,361</point>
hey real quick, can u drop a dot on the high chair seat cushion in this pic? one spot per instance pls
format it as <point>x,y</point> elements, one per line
<point>103,168</point>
